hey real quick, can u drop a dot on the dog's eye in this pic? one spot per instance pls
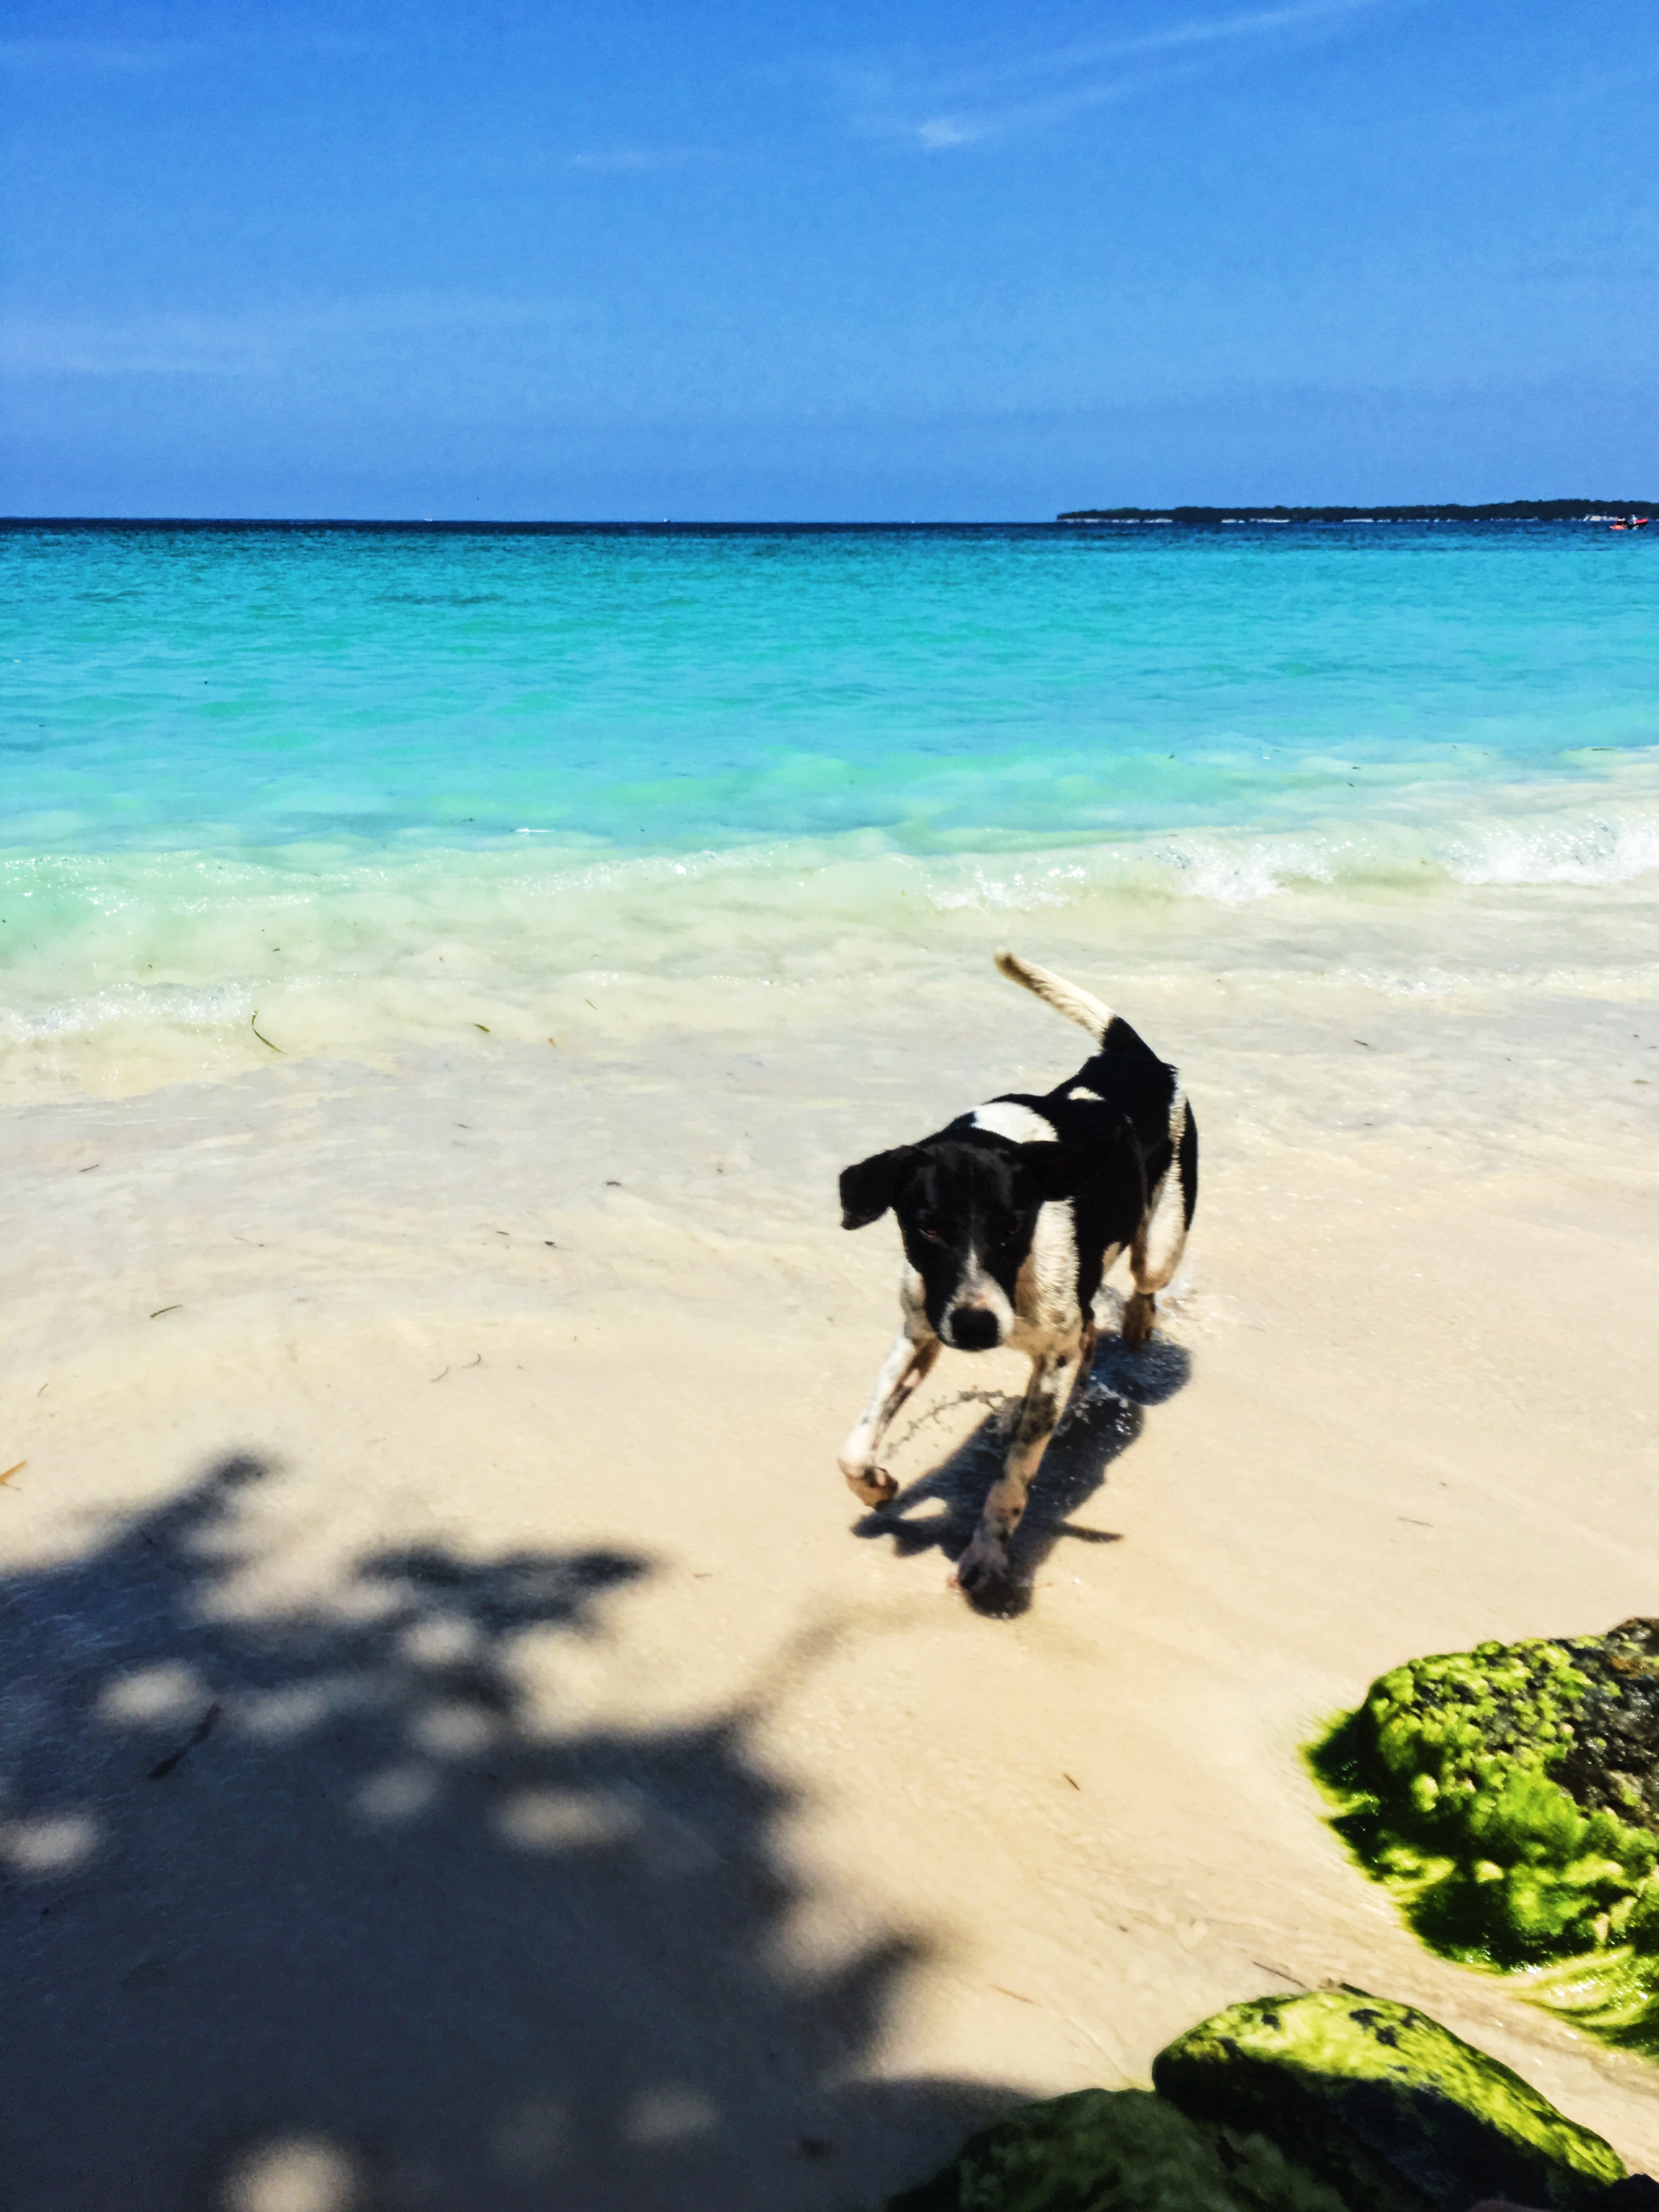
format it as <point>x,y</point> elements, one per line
<point>928,1227</point>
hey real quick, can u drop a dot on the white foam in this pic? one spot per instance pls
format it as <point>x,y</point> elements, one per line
<point>1232,876</point>
<point>1014,893</point>
<point>125,969</point>
<point>1575,850</point>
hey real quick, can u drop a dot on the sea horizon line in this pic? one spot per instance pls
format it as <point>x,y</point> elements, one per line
<point>1240,516</point>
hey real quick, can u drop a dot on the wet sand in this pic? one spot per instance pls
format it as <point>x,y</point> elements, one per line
<point>465,1747</point>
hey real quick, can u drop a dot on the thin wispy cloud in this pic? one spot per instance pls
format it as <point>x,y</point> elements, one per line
<point>98,56</point>
<point>146,57</point>
<point>621,160</point>
<point>964,107</point>
<point>269,343</point>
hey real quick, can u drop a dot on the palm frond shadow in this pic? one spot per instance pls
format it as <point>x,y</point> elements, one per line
<point>1104,1419</point>
<point>323,1908</point>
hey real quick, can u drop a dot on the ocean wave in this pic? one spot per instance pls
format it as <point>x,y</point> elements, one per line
<point>1536,844</point>
<point>1540,838</point>
<point>125,969</point>
<point>1569,851</point>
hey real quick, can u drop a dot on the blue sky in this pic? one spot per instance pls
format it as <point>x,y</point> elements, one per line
<point>721,259</point>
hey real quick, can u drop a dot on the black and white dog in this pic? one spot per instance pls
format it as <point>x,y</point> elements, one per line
<point>1010,1218</point>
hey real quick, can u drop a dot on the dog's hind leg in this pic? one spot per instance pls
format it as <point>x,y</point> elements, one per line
<point>905,1366</point>
<point>1161,1239</point>
<point>1054,1375</point>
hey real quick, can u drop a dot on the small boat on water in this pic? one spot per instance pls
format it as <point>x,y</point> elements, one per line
<point>1632,522</point>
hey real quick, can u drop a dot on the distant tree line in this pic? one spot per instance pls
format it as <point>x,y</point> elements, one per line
<point>1509,510</point>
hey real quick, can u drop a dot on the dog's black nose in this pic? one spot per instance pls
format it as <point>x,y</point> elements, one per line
<point>973,1329</point>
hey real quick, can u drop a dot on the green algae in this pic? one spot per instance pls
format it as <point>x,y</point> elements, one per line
<point>1124,2150</point>
<point>1509,1797</point>
<point>1333,2101</point>
<point>1389,2109</point>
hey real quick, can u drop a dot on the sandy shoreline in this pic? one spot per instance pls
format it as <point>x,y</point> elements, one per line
<point>597,1809</point>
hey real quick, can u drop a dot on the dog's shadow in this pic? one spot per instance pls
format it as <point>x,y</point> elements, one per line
<point>1105,1416</point>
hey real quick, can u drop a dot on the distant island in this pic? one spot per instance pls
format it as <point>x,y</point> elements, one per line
<point>1509,510</point>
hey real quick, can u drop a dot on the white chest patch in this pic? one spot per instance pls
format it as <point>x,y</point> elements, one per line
<point>1019,1124</point>
<point>1045,1295</point>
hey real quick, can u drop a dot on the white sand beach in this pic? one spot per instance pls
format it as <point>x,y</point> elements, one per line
<point>581,1800</point>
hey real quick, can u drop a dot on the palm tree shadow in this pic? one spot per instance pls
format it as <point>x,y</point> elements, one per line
<point>325,1908</point>
<point>1104,1417</point>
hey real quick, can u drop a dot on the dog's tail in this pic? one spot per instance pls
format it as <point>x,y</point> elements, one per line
<point>1077,1005</point>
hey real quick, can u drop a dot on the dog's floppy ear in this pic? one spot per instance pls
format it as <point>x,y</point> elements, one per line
<point>868,1189</point>
<point>1056,1170</point>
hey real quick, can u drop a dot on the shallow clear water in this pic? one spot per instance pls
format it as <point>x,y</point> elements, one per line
<point>236,760</point>
<point>658,691</point>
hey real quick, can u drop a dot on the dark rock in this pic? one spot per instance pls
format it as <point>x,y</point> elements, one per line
<point>1121,2151</point>
<point>1392,2111</point>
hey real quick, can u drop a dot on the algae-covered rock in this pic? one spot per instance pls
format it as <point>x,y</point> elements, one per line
<point>1393,2111</point>
<point>1510,1796</point>
<point>1121,2151</point>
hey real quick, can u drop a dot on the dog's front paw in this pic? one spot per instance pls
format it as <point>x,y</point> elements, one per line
<point>981,1570</point>
<point>873,1486</point>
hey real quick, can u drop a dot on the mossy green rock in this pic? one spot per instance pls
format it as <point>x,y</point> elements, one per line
<point>1121,2151</point>
<point>1391,2110</point>
<point>1509,1796</point>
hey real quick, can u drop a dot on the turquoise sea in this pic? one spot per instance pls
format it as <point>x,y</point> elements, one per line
<point>670,743</point>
